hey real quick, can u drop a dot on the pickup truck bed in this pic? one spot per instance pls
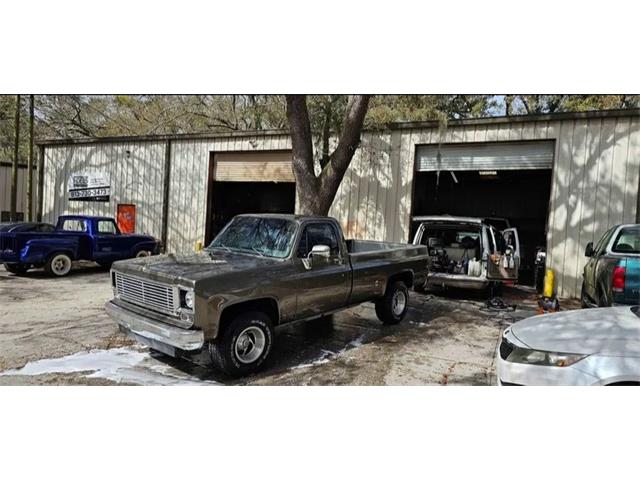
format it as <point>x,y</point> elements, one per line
<point>223,303</point>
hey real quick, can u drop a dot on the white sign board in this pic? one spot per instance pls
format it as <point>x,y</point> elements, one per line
<point>89,186</point>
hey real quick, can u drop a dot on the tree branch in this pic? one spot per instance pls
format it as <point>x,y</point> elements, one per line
<point>349,140</point>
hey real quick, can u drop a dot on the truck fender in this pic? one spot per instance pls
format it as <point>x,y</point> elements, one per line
<point>405,276</point>
<point>228,311</point>
<point>38,250</point>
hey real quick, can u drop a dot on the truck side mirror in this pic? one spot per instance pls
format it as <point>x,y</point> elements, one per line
<point>588,252</point>
<point>320,251</point>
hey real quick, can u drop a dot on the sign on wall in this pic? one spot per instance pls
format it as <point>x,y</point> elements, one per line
<point>89,186</point>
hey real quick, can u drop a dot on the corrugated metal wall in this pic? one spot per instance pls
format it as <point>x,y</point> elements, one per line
<point>5,189</point>
<point>188,182</point>
<point>595,183</point>
<point>136,177</point>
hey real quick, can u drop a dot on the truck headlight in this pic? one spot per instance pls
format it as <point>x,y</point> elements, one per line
<point>189,299</point>
<point>540,357</point>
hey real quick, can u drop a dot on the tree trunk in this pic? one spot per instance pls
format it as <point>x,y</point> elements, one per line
<point>316,193</point>
<point>30,163</point>
<point>14,170</point>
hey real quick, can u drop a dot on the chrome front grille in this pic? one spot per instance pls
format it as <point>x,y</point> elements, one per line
<point>152,295</point>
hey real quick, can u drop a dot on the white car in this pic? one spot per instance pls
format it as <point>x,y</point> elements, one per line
<point>598,346</point>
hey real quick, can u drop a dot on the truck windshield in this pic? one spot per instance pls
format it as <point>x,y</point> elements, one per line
<point>271,237</point>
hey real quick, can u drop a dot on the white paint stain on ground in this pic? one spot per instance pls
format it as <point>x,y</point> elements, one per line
<point>328,355</point>
<point>121,365</point>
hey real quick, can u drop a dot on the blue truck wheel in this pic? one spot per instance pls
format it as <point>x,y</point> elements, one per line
<point>58,264</point>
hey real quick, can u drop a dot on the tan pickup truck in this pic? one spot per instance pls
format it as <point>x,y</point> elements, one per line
<point>222,304</point>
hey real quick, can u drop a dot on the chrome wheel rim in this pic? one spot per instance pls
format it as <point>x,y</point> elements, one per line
<point>250,344</point>
<point>61,264</point>
<point>398,302</point>
<point>142,253</point>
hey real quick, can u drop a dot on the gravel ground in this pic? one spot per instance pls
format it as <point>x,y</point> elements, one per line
<point>55,332</point>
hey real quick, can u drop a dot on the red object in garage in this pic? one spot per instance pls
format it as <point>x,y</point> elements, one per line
<point>126,218</point>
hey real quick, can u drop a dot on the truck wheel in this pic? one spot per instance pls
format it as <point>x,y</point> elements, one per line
<point>58,264</point>
<point>583,297</point>
<point>602,298</point>
<point>392,308</point>
<point>244,344</point>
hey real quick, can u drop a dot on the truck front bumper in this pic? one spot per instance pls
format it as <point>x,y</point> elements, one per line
<point>158,335</point>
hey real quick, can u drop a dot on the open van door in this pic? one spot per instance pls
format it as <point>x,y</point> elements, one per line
<point>504,263</point>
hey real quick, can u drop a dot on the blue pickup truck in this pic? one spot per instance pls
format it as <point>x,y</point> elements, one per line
<point>76,237</point>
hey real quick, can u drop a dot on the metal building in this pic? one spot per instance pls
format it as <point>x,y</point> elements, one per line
<point>21,194</point>
<point>563,179</point>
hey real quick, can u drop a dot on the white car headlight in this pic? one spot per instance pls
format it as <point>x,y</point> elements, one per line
<point>539,357</point>
<point>189,299</point>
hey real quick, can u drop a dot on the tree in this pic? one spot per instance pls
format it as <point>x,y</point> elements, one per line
<point>14,166</point>
<point>316,192</point>
<point>534,104</point>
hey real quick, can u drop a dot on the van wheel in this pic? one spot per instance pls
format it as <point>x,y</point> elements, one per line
<point>58,264</point>
<point>16,269</point>
<point>244,344</point>
<point>392,308</point>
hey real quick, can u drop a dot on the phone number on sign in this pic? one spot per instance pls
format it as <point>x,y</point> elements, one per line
<point>89,193</point>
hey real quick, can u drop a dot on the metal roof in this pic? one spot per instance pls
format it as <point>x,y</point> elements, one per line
<point>631,112</point>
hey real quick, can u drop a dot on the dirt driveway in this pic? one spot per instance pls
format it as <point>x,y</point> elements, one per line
<point>55,331</point>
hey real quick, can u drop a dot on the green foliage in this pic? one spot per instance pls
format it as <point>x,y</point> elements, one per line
<point>531,104</point>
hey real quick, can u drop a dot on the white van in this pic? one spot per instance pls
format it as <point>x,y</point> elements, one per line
<point>467,252</point>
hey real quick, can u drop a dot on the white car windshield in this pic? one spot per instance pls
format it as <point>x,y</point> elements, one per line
<point>271,237</point>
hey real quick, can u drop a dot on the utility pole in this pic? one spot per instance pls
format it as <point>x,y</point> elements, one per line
<point>14,169</point>
<point>30,163</point>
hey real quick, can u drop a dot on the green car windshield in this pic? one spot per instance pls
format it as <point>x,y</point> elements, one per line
<point>271,237</point>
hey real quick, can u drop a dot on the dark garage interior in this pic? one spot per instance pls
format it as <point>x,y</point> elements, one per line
<point>228,199</point>
<point>520,196</point>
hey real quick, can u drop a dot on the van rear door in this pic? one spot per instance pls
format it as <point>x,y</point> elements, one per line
<point>504,261</point>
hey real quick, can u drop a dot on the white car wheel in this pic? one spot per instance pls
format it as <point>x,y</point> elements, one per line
<point>142,253</point>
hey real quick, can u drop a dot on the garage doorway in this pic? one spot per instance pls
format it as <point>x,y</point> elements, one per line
<point>248,182</point>
<point>510,180</point>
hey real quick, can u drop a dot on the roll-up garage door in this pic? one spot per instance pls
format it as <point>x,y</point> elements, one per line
<point>535,155</point>
<point>253,167</point>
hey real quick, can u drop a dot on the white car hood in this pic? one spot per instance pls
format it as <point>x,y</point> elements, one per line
<point>609,331</point>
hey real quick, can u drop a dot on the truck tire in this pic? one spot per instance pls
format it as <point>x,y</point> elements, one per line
<point>58,264</point>
<point>583,297</point>
<point>244,344</point>
<point>392,308</point>
<point>16,269</point>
